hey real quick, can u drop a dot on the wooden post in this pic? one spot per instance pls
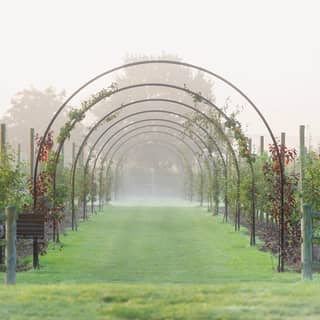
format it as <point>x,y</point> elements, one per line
<point>62,156</point>
<point>3,135</point>
<point>56,224</point>
<point>283,138</point>
<point>3,142</point>
<point>31,152</point>
<point>81,157</point>
<point>261,214</point>
<point>19,155</point>
<point>11,256</point>
<point>306,222</point>
<point>35,240</point>
<point>302,158</point>
<point>306,245</point>
<point>250,145</point>
<point>283,144</point>
<point>73,152</point>
<point>100,192</point>
<point>253,210</point>
<point>261,145</point>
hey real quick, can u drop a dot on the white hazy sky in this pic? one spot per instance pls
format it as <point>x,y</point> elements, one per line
<point>270,49</point>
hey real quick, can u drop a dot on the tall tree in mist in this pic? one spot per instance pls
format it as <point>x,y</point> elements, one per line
<point>33,108</point>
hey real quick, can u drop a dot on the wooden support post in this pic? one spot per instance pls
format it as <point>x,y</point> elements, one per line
<point>73,152</point>
<point>283,138</point>
<point>3,134</point>
<point>100,192</point>
<point>306,222</point>
<point>62,156</point>
<point>261,213</point>
<point>81,157</point>
<point>74,222</point>
<point>3,143</point>
<point>283,144</point>
<point>261,145</point>
<point>31,152</point>
<point>302,158</point>
<point>11,256</point>
<point>19,155</point>
<point>306,245</point>
<point>35,253</point>
<point>35,240</point>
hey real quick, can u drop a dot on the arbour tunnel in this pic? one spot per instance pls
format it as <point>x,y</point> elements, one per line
<point>169,125</point>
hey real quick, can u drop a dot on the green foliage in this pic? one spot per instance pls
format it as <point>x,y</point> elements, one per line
<point>200,269</point>
<point>246,189</point>
<point>83,183</point>
<point>188,181</point>
<point>311,192</point>
<point>261,185</point>
<point>240,137</point>
<point>13,182</point>
<point>77,115</point>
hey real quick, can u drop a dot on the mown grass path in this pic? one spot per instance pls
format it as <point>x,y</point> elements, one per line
<point>157,263</point>
<point>147,245</point>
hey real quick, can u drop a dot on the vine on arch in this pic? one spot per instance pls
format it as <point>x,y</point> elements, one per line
<point>77,115</point>
<point>292,227</point>
<point>52,210</point>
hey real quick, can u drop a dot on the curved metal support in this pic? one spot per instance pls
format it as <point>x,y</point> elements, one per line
<point>74,168</point>
<point>73,181</point>
<point>188,65</point>
<point>176,123</point>
<point>168,134</point>
<point>164,144</point>
<point>208,102</point>
<point>102,120</point>
<point>92,177</point>
<point>178,114</point>
<point>158,111</point>
<point>148,120</point>
<point>153,125</point>
<point>167,127</point>
<point>210,138</point>
<point>202,141</point>
<point>151,132</point>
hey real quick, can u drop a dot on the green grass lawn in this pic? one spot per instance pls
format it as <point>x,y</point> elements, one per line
<point>158,263</point>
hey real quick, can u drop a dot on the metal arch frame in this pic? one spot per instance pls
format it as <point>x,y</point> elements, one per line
<point>151,119</point>
<point>208,102</point>
<point>79,151</point>
<point>177,123</point>
<point>163,144</point>
<point>155,125</point>
<point>110,138</point>
<point>163,111</point>
<point>166,121</point>
<point>176,137</point>
<point>178,114</point>
<point>167,112</point>
<point>165,133</point>
<point>166,144</point>
<point>150,125</point>
<point>282,174</point>
<point>153,100</point>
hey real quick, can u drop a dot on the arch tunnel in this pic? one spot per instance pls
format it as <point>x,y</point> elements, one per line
<point>216,144</point>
